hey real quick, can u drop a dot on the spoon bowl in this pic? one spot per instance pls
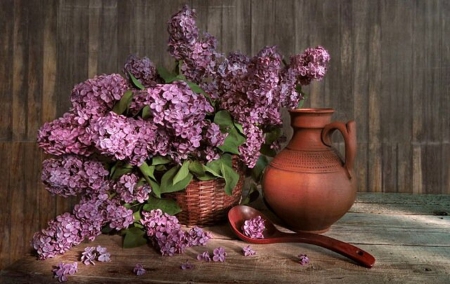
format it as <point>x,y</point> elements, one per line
<point>239,214</point>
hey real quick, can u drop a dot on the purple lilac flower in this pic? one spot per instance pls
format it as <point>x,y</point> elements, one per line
<point>248,251</point>
<point>102,254</point>
<point>128,189</point>
<point>311,64</point>
<point>64,269</point>
<point>254,228</point>
<point>91,212</point>
<point>97,96</point>
<point>123,138</point>
<point>64,136</point>
<point>303,259</point>
<point>166,233</point>
<point>198,237</point>
<point>89,256</point>
<point>70,175</point>
<point>219,254</point>
<point>183,33</point>
<point>142,69</point>
<point>187,265</point>
<point>204,256</point>
<point>118,216</point>
<point>61,234</point>
<point>139,269</point>
<point>180,115</point>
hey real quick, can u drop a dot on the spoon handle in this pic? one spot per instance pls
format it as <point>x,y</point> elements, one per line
<point>352,252</point>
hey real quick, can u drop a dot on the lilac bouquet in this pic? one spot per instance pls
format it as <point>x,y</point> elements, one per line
<point>129,139</point>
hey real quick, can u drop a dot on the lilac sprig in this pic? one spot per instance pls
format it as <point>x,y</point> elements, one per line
<point>254,228</point>
<point>165,232</point>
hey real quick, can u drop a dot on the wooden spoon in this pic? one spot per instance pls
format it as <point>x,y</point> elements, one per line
<point>239,214</point>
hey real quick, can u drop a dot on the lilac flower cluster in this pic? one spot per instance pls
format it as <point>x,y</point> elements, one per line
<point>179,116</point>
<point>62,234</point>
<point>142,69</point>
<point>64,136</point>
<point>91,254</point>
<point>97,96</point>
<point>71,175</point>
<point>198,55</point>
<point>166,233</point>
<point>254,228</point>
<point>87,220</point>
<point>129,190</point>
<point>64,269</point>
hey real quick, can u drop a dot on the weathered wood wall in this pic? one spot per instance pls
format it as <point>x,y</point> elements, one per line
<point>390,71</point>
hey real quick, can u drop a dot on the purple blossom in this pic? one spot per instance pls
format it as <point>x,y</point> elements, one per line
<point>123,138</point>
<point>128,189</point>
<point>142,69</point>
<point>139,269</point>
<point>64,136</point>
<point>102,254</point>
<point>248,251</point>
<point>254,228</point>
<point>187,265</point>
<point>89,256</point>
<point>204,256</point>
<point>219,254</point>
<point>61,234</point>
<point>97,96</point>
<point>118,216</point>
<point>165,232</point>
<point>64,269</point>
<point>70,175</point>
<point>303,259</point>
<point>311,64</point>
<point>91,212</point>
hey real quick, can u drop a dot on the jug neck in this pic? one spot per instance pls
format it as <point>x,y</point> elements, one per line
<point>307,125</point>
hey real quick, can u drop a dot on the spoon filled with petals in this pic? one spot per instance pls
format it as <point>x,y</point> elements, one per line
<point>241,213</point>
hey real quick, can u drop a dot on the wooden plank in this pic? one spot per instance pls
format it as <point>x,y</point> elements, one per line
<point>409,248</point>
<point>6,208</point>
<point>7,59</point>
<point>108,61</point>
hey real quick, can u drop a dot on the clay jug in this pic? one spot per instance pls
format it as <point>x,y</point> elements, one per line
<point>307,184</point>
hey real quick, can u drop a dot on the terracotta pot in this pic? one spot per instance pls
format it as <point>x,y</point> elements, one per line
<point>308,185</point>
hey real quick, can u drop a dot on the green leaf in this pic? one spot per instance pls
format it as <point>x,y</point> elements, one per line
<point>166,75</point>
<point>252,195</point>
<point>160,160</point>
<point>137,216</point>
<point>124,102</point>
<point>156,188</point>
<point>239,128</point>
<point>136,82</point>
<point>147,171</point>
<point>231,178</point>
<point>134,237</point>
<point>167,184</point>
<point>146,112</point>
<point>272,135</point>
<point>298,88</point>
<point>258,169</point>
<point>167,205</point>
<point>215,167</point>
<point>197,169</point>
<point>182,173</point>
<point>267,150</point>
<point>119,169</point>
<point>234,138</point>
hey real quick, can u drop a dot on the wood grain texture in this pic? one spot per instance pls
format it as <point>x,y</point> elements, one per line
<point>409,243</point>
<point>390,71</point>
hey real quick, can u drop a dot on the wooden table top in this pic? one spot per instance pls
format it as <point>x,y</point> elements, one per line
<point>409,235</point>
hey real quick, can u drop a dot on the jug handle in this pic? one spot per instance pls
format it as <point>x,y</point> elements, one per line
<point>348,131</point>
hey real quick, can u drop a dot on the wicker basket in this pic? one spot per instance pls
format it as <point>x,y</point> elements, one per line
<point>205,203</point>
